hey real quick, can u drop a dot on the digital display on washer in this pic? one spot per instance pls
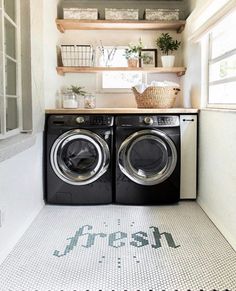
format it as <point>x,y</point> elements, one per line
<point>164,120</point>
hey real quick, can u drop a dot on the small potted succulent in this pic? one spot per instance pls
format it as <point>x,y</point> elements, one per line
<point>71,96</point>
<point>167,44</point>
<point>133,53</point>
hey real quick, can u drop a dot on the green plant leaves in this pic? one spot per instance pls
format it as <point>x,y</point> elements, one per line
<point>77,90</point>
<point>167,44</point>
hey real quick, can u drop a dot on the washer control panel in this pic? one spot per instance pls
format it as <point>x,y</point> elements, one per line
<point>75,121</point>
<point>94,120</point>
<point>80,119</point>
<point>148,120</point>
<point>160,120</point>
<point>167,120</point>
<point>101,120</point>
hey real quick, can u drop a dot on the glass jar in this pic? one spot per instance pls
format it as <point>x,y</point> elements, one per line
<point>70,100</point>
<point>89,101</point>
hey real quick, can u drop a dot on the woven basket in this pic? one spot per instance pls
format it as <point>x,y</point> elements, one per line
<point>156,97</point>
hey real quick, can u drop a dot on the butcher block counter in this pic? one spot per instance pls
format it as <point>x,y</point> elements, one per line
<point>123,111</point>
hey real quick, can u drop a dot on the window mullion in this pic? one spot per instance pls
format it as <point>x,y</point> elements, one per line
<point>18,52</point>
<point>10,20</point>
<point>221,57</point>
<point>222,81</point>
<point>4,101</point>
<point>12,59</point>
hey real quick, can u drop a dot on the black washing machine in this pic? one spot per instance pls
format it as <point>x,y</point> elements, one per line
<point>78,159</point>
<point>147,159</point>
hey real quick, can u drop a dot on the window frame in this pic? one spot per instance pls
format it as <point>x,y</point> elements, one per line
<point>99,76</point>
<point>18,97</point>
<point>100,89</point>
<point>207,44</point>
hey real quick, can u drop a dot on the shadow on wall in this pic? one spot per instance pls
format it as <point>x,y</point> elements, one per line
<point>184,5</point>
<point>195,97</point>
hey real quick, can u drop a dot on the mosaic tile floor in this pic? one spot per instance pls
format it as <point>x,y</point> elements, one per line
<point>120,248</point>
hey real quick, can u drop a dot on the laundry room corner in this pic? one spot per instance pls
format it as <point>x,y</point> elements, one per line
<point>117,170</point>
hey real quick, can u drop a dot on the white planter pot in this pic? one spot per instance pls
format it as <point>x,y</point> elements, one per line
<point>168,61</point>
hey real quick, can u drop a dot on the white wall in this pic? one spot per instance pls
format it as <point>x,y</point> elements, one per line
<point>53,82</point>
<point>191,81</point>
<point>217,170</point>
<point>21,180</point>
<point>217,155</point>
<point>21,194</point>
<point>192,78</point>
<point>37,61</point>
<point>50,39</point>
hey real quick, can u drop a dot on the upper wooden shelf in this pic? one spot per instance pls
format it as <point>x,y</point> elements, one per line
<point>180,71</point>
<point>74,24</point>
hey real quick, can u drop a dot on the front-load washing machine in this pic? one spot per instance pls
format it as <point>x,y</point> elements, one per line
<point>78,159</point>
<point>147,159</point>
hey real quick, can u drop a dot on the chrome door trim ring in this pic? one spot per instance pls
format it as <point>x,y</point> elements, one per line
<point>103,156</point>
<point>143,137</point>
<point>127,171</point>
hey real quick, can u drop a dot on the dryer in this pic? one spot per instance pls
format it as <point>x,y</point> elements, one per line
<point>78,159</point>
<point>147,159</point>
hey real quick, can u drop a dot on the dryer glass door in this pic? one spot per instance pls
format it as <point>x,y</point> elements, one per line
<point>147,157</point>
<point>80,157</point>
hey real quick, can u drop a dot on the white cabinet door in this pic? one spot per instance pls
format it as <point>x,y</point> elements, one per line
<point>188,181</point>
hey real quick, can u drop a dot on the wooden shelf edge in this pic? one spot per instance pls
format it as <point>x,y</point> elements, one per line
<point>75,24</point>
<point>180,71</point>
<point>134,110</point>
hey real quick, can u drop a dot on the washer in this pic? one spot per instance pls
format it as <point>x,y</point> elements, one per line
<point>78,159</point>
<point>147,159</point>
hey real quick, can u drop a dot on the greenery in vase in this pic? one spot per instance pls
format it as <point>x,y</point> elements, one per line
<point>77,90</point>
<point>167,44</point>
<point>134,50</point>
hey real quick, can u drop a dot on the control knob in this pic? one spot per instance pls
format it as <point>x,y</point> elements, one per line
<point>80,119</point>
<point>148,120</point>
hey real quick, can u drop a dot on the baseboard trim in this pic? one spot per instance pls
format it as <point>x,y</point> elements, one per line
<point>10,245</point>
<point>231,240</point>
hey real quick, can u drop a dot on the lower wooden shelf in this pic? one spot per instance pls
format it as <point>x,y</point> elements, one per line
<point>180,71</point>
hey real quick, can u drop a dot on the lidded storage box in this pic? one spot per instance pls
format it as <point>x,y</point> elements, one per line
<point>161,14</point>
<point>80,13</point>
<point>121,14</point>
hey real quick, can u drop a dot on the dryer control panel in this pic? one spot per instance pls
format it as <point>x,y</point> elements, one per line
<point>148,121</point>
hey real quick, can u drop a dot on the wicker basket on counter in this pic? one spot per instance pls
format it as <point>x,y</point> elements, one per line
<point>156,97</point>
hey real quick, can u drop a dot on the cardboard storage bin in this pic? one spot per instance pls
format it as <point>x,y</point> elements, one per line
<point>80,13</point>
<point>161,14</point>
<point>121,14</point>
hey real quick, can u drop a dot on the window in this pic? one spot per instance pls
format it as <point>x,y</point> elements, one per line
<point>117,81</point>
<point>120,79</point>
<point>222,62</point>
<point>10,96</point>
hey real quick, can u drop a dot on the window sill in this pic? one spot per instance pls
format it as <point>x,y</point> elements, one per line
<point>229,110</point>
<point>15,145</point>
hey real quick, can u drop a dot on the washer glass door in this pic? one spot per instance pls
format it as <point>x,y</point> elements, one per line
<point>80,157</point>
<point>147,157</point>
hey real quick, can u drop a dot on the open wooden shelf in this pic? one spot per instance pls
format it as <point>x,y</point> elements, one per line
<point>180,71</point>
<point>74,24</point>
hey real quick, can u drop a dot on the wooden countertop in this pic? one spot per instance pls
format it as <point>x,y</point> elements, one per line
<point>122,111</point>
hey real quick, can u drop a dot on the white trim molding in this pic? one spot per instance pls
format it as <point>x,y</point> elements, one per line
<point>204,18</point>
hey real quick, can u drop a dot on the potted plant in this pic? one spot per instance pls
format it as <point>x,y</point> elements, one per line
<point>133,53</point>
<point>77,90</point>
<point>71,96</point>
<point>167,44</point>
